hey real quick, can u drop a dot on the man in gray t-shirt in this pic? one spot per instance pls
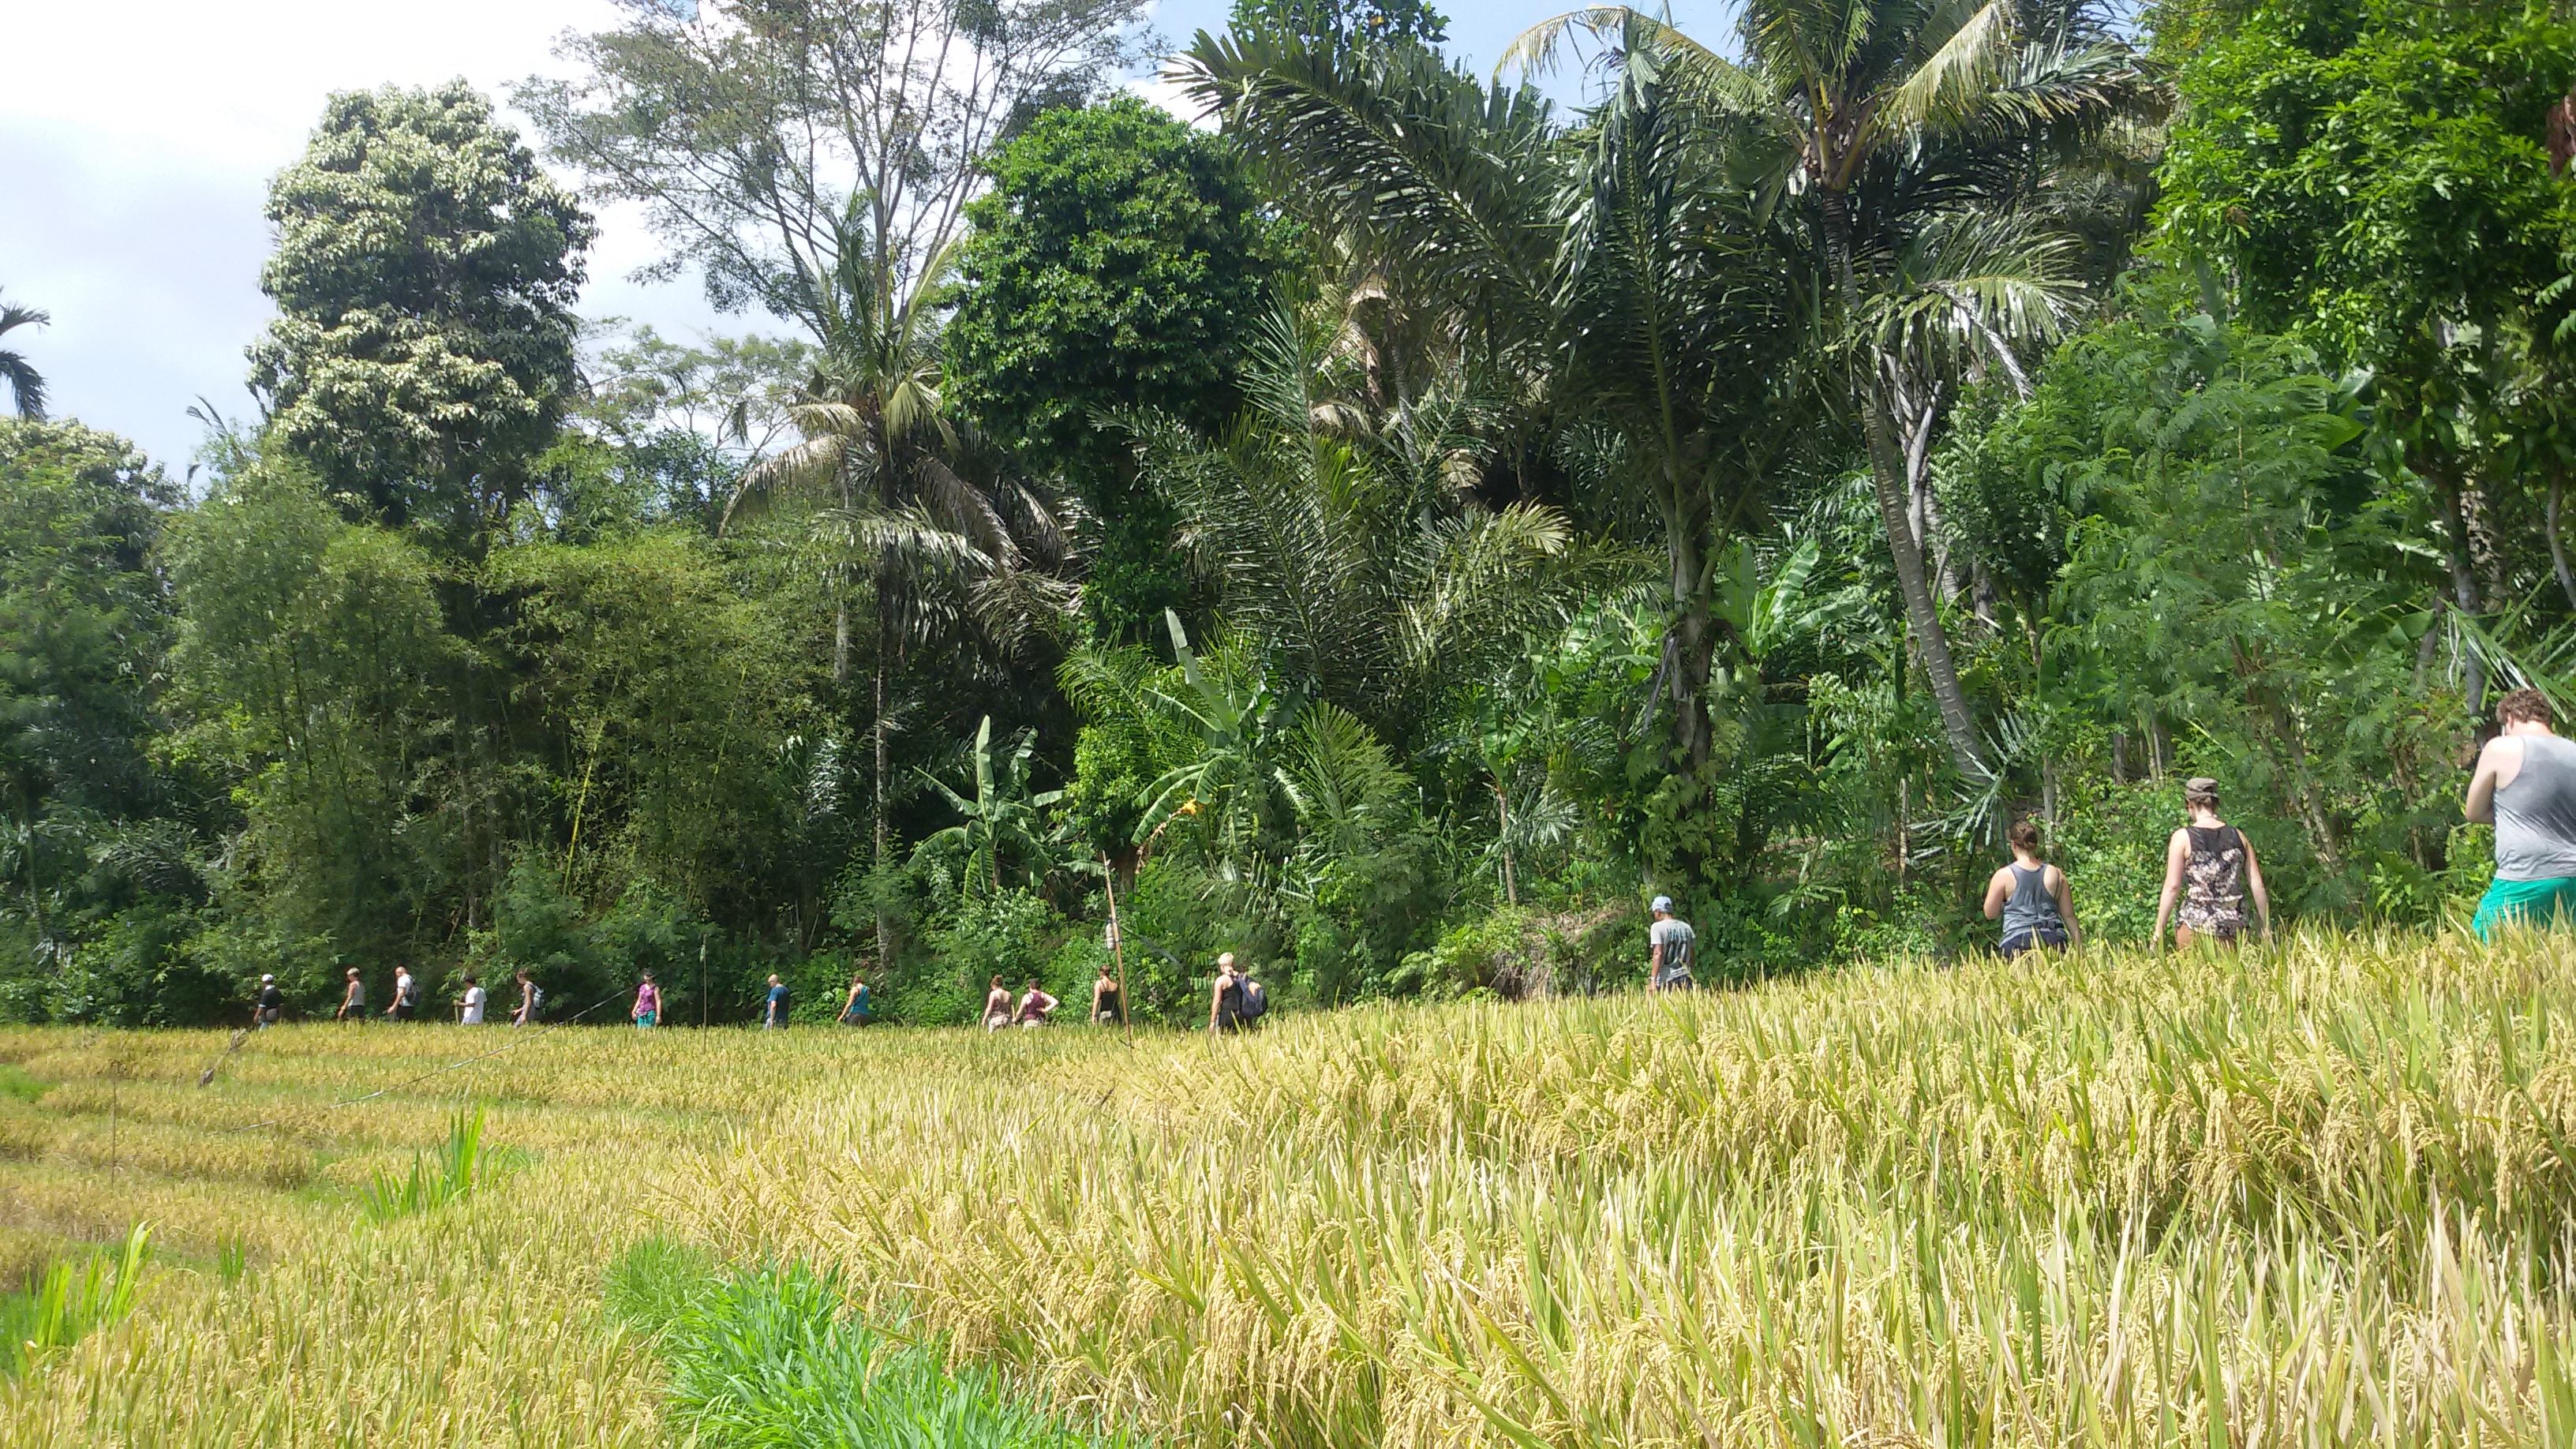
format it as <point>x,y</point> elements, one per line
<point>1673,946</point>
<point>2526,784</point>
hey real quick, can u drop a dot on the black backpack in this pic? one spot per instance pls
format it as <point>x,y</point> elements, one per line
<point>1255,1000</point>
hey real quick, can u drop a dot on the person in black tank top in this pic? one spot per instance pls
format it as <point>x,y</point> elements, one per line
<point>2209,870</point>
<point>1107,1008</point>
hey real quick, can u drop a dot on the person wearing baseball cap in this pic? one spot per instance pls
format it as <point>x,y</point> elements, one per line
<point>272,1003</point>
<point>2209,869</point>
<point>1671,945</point>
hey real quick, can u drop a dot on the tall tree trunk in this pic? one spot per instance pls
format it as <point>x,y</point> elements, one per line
<point>884,759</point>
<point>1691,644</point>
<point>1887,473</point>
<point>2557,547</point>
<point>2464,582</point>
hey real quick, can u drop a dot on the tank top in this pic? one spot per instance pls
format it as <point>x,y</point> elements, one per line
<point>2030,908</point>
<point>2535,816</point>
<point>1109,999</point>
<point>2213,901</point>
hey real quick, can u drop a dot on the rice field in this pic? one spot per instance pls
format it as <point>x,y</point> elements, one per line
<point>2314,1196</point>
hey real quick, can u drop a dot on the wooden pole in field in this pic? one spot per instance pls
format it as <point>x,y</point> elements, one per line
<point>1118,950</point>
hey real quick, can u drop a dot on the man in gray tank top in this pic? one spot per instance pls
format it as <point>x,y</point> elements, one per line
<point>2526,784</point>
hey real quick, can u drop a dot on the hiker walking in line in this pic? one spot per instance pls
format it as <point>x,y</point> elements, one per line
<point>353,1000</point>
<point>272,1004</point>
<point>854,1007</point>
<point>532,999</point>
<point>648,1003</point>
<point>997,1006</point>
<point>406,1002</point>
<point>2031,898</point>
<point>1672,948</point>
<point>2526,785</point>
<point>469,1007</point>
<point>1108,1005</point>
<point>1035,1006</point>
<point>773,1011</point>
<point>1225,1004</point>
<point>2210,867</point>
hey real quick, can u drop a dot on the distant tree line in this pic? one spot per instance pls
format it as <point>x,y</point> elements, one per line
<point>1387,534</point>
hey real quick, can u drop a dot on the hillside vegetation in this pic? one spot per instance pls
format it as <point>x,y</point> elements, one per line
<point>2315,1196</point>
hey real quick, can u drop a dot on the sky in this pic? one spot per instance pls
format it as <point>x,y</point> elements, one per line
<point>137,138</point>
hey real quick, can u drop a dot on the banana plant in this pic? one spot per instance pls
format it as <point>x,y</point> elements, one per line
<point>1003,818</point>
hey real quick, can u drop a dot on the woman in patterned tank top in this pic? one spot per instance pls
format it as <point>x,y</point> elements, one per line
<point>2210,867</point>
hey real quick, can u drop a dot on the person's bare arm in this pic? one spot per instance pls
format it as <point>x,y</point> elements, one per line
<point>2177,857</point>
<point>2254,883</point>
<point>1998,891</point>
<point>2480,806</point>
<point>2066,908</point>
<point>1216,1000</point>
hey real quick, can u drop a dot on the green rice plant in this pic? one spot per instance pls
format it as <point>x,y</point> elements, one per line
<point>773,1358</point>
<point>461,1166</point>
<point>18,1083</point>
<point>70,1300</point>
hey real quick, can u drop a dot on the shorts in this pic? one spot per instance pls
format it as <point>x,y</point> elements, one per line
<point>2048,938</point>
<point>2525,902</point>
<point>997,1021</point>
<point>402,1011</point>
<point>268,1016</point>
<point>1678,978</point>
<point>854,1018</point>
<point>646,1018</point>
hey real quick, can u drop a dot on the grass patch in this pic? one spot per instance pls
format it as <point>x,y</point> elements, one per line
<point>772,1357</point>
<point>70,1300</point>
<point>455,1171</point>
<point>19,1084</point>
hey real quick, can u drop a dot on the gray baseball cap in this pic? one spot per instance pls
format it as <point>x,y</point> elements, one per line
<point>1663,904</point>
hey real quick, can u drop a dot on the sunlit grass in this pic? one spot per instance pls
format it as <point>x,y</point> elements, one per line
<point>2315,1196</point>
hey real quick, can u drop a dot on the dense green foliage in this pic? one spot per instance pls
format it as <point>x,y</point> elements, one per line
<point>1116,264</point>
<point>1388,536</point>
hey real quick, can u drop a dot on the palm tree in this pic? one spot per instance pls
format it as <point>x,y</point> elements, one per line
<point>26,385</point>
<point>1607,270</point>
<point>884,460</point>
<point>1892,118</point>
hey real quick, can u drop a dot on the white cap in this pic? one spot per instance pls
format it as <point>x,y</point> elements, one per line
<point>268,981</point>
<point>1663,904</point>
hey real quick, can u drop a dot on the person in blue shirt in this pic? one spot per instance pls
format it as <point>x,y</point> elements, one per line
<point>774,1015</point>
<point>854,1007</point>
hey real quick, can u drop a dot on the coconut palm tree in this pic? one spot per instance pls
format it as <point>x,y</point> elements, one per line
<point>1612,273</point>
<point>909,496</point>
<point>26,385</point>
<point>1891,118</point>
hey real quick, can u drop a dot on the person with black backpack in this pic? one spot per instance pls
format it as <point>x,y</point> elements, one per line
<point>532,999</point>
<point>1239,1001</point>
<point>1225,1006</point>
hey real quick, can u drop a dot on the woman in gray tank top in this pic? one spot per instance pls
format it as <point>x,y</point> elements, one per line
<point>2526,784</point>
<point>2031,898</point>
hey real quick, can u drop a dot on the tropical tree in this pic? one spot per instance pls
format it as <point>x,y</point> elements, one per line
<point>1611,276</point>
<point>425,272</point>
<point>1003,817</point>
<point>1892,119</point>
<point>911,498</point>
<point>26,384</point>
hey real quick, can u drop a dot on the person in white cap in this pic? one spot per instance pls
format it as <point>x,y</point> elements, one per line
<point>272,1003</point>
<point>1673,946</point>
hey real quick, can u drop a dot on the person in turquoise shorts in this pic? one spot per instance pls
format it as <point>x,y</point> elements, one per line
<point>2526,784</point>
